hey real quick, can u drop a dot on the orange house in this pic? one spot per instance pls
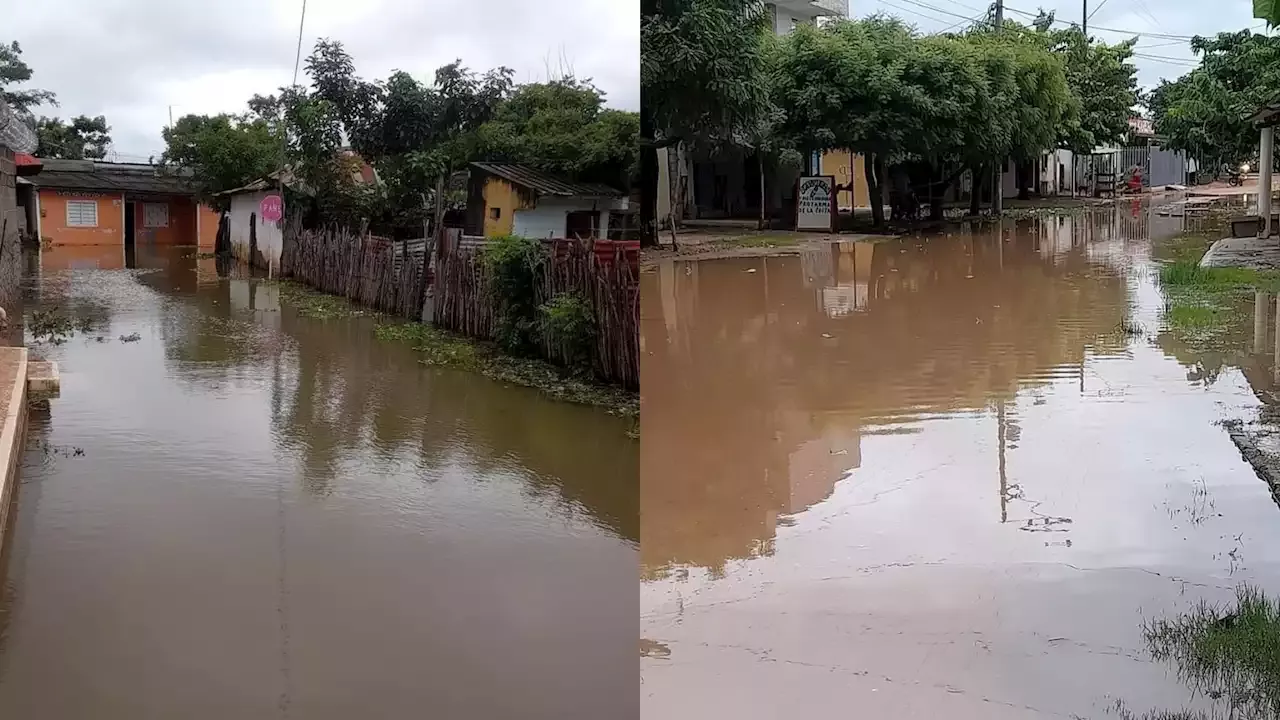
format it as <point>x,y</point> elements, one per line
<point>87,202</point>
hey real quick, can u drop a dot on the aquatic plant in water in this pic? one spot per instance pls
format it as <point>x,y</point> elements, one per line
<point>1230,653</point>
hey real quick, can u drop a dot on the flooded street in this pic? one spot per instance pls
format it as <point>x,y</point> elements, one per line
<point>943,478</point>
<point>251,513</point>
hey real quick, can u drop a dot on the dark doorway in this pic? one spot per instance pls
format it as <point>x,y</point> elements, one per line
<point>582,224</point>
<point>253,239</point>
<point>129,225</point>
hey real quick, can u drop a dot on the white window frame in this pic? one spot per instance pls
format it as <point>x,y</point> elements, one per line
<point>148,209</point>
<point>80,207</point>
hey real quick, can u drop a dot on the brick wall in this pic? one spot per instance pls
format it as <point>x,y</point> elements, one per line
<point>10,250</point>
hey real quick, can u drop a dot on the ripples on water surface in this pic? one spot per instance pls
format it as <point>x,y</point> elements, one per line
<point>936,478</point>
<point>275,516</point>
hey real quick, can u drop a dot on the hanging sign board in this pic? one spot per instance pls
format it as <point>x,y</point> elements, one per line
<point>816,203</point>
<point>271,209</point>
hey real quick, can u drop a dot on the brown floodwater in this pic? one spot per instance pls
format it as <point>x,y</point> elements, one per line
<point>943,477</point>
<point>247,513</point>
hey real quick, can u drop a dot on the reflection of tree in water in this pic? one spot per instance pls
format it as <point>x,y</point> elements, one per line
<point>743,368</point>
<point>1229,654</point>
<point>342,392</point>
<point>205,332</point>
<point>343,402</point>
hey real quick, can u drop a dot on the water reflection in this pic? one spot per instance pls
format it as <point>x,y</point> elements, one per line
<point>791,360</point>
<point>356,532</point>
<point>937,477</point>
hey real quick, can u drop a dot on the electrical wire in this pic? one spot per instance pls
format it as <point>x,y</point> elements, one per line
<point>1096,9</point>
<point>963,19</point>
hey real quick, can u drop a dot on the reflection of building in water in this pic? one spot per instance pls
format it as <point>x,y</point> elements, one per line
<point>759,385</point>
<point>816,464</point>
<point>849,285</point>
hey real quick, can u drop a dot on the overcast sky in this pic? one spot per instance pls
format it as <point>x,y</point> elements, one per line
<point>131,59</point>
<point>1162,51</point>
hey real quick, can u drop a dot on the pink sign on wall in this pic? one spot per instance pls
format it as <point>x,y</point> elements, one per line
<point>271,208</point>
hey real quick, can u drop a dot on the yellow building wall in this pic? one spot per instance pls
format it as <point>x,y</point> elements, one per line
<point>503,197</point>
<point>842,165</point>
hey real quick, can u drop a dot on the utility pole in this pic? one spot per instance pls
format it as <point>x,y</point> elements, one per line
<point>1084,19</point>
<point>997,194</point>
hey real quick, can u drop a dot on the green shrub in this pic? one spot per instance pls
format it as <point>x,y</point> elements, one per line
<point>513,264</point>
<point>568,321</point>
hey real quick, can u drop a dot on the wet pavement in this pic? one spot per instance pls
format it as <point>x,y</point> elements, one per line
<point>249,513</point>
<point>945,477</point>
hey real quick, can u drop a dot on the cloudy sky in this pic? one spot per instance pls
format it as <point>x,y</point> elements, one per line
<point>1163,28</point>
<point>131,59</point>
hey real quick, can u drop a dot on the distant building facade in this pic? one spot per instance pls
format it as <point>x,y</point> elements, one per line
<point>88,202</point>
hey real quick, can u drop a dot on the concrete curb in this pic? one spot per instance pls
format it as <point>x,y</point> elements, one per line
<point>1265,465</point>
<point>12,433</point>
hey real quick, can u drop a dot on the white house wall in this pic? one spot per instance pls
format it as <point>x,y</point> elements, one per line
<point>270,238</point>
<point>548,218</point>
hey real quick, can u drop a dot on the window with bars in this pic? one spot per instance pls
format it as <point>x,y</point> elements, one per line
<point>155,215</point>
<point>82,213</point>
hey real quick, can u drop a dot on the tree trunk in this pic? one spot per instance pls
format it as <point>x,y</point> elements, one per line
<point>1024,179</point>
<point>873,165</point>
<point>975,190</point>
<point>764,202</point>
<point>648,184</point>
<point>938,184</point>
<point>673,183</point>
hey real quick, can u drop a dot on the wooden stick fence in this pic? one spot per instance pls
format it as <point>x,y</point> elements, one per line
<point>364,269</point>
<point>386,275</point>
<point>604,275</point>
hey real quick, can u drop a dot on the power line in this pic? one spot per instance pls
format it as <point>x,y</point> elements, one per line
<point>297,57</point>
<point>1139,33</point>
<point>937,9</point>
<point>934,18</point>
<point>1096,9</point>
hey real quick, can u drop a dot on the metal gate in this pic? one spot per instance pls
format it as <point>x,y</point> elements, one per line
<point>1158,166</point>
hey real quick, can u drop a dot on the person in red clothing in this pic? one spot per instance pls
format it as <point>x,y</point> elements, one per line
<point>1135,179</point>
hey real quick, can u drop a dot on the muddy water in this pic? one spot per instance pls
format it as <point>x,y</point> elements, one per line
<point>247,513</point>
<point>937,477</point>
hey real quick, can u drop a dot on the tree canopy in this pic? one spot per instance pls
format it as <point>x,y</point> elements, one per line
<point>14,71</point>
<point>80,138</point>
<point>946,102</point>
<point>414,133</point>
<point>1205,111</point>
<point>700,65</point>
<point>563,127</point>
<point>1102,79</point>
<point>224,151</point>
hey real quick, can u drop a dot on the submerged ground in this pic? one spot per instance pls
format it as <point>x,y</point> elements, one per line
<point>235,510</point>
<point>952,476</point>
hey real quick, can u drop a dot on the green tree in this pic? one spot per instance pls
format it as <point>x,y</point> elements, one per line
<point>13,71</point>
<point>81,138</point>
<point>701,63</point>
<point>1205,111</point>
<point>1103,80</point>
<point>563,127</point>
<point>223,151</point>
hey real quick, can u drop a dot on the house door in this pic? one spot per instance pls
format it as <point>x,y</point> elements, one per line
<point>130,208</point>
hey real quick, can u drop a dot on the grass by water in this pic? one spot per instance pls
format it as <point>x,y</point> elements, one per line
<point>440,348</point>
<point>1203,303</point>
<point>1229,653</point>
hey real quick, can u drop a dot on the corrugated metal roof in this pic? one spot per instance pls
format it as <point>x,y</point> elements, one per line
<point>544,183</point>
<point>111,177</point>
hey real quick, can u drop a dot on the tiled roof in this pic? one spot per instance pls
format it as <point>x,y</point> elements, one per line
<point>111,177</point>
<point>544,183</point>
